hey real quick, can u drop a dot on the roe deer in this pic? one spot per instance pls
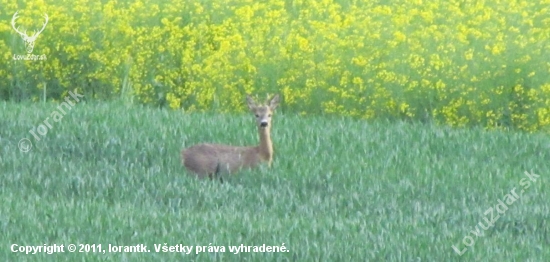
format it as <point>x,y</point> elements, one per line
<point>213,159</point>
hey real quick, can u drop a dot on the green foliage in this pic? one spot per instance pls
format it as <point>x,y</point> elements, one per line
<point>338,190</point>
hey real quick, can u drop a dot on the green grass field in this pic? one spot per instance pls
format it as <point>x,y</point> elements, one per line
<point>338,190</point>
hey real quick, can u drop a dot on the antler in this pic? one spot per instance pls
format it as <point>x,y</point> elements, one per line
<point>24,34</point>
<point>43,25</point>
<point>15,28</point>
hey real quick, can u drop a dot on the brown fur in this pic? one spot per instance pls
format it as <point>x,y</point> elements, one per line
<point>213,159</point>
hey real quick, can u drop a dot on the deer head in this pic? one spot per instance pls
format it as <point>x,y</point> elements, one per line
<point>263,112</point>
<point>29,40</point>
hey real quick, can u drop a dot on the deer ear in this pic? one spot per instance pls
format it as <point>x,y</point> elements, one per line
<point>250,102</point>
<point>274,102</point>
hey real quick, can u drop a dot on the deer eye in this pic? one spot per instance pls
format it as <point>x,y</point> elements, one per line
<point>269,115</point>
<point>257,115</point>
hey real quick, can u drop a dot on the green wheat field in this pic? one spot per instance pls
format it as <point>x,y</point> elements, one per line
<point>339,189</point>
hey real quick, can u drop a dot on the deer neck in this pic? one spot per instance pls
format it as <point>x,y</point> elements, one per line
<point>266,147</point>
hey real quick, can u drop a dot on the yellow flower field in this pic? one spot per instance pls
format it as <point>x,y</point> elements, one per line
<point>461,63</point>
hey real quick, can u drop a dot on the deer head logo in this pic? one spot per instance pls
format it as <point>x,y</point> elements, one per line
<point>29,40</point>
